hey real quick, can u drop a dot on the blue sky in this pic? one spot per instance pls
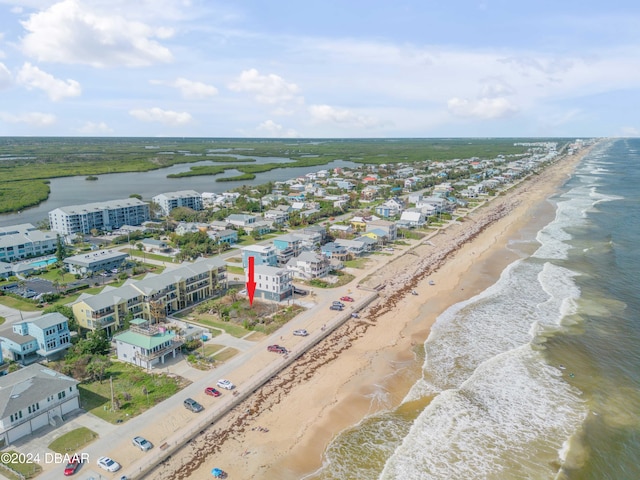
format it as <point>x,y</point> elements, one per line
<point>351,68</point>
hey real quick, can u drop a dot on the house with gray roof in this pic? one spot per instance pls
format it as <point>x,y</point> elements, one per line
<point>94,262</point>
<point>38,339</point>
<point>34,397</point>
<point>24,241</point>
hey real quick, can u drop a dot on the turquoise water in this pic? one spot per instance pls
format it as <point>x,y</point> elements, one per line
<point>43,263</point>
<point>537,377</point>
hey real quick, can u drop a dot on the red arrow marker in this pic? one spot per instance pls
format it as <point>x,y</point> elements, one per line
<point>251,283</point>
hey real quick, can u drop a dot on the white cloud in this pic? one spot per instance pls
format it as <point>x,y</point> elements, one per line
<point>5,76</point>
<point>269,89</point>
<point>192,90</point>
<point>156,114</point>
<point>36,119</point>
<point>32,77</point>
<point>329,114</point>
<point>272,129</point>
<point>485,108</point>
<point>71,31</point>
<point>93,128</point>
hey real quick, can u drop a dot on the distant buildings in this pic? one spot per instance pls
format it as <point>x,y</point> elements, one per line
<point>103,216</point>
<point>184,198</point>
<point>25,240</point>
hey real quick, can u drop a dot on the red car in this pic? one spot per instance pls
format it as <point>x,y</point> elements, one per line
<point>276,349</point>
<point>212,392</point>
<point>346,299</point>
<point>71,467</point>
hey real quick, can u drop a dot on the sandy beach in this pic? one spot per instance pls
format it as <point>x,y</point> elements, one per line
<point>283,429</point>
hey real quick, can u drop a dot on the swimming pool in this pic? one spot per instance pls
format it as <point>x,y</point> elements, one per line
<point>43,263</point>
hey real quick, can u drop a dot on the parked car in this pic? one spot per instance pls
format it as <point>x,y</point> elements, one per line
<point>226,384</point>
<point>108,464</point>
<point>301,333</point>
<point>336,307</point>
<point>212,392</point>
<point>277,349</point>
<point>191,404</point>
<point>338,304</point>
<point>142,443</point>
<point>72,467</point>
<point>346,299</point>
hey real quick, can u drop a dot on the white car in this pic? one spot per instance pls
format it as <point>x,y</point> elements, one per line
<point>226,384</point>
<point>108,464</point>
<point>301,333</point>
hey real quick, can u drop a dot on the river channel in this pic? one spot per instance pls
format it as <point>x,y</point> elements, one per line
<point>77,190</point>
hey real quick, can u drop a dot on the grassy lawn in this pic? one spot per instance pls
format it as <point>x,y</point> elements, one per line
<point>225,355</point>
<point>72,441</point>
<point>212,321</point>
<point>356,263</point>
<point>134,389</point>
<point>2,319</point>
<point>236,270</point>
<point>53,275</point>
<point>152,256</point>
<point>211,349</point>
<point>29,470</point>
<point>18,304</point>
<point>234,260</point>
<point>343,279</point>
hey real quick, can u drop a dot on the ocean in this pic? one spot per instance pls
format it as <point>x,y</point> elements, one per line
<point>538,376</point>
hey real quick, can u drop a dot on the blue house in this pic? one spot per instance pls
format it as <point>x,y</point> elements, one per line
<point>262,254</point>
<point>37,339</point>
<point>288,241</point>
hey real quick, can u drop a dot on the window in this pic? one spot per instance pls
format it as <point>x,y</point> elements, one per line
<point>61,395</point>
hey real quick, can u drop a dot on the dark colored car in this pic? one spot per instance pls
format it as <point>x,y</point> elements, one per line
<point>191,404</point>
<point>336,307</point>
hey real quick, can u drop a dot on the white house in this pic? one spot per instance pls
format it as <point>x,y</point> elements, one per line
<point>412,218</point>
<point>309,265</point>
<point>272,283</point>
<point>34,397</point>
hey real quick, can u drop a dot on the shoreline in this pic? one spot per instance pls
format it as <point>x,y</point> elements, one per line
<point>315,399</point>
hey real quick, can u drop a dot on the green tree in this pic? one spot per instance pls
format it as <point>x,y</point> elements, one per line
<point>61,252</point>
<point>98,367</point>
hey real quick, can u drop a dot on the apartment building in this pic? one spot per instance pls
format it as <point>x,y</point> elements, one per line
<point>102,216</point>
<point>154,296</point>
<point>23,241</point>
<point>184,198</point>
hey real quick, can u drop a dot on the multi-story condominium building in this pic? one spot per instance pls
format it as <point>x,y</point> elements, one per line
<point>34,397</point>
<point>37,339</point>
<point>103,216</point>
<point>93,262</point>
<point>184,198</point>
<point>153,297</point>
<point>262,254</point>
<point>272,283</point>
<point>25,240</point>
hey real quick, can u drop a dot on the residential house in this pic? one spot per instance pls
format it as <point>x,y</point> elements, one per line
<point>276,216</point>
<point>184,198</point>
<point>272,283</point>
<point>51,334</point>
<point>190,227</point>
<point>287,246</point>
<point>101,216</point>
<point>353,247</point>
<point>220,225</point>
<point>260,227</point>
<point>412,218</point>
<point>309,265</point>
<point>94,262</point>
<point>146,345</point>
<point>241,220</point>
<point>369,244</point>
<point>341,230</point>
<point>18,347</point>
<point>389,228</point>
<point>34,397</point>
<point>226,236</point>
<point>334,251</point>
<point>5,270</point>
<point>262,254</point>
<point>390,208</point>
<point>156,246</point>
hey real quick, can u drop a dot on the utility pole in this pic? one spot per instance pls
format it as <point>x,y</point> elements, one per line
<point>111,385</point>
